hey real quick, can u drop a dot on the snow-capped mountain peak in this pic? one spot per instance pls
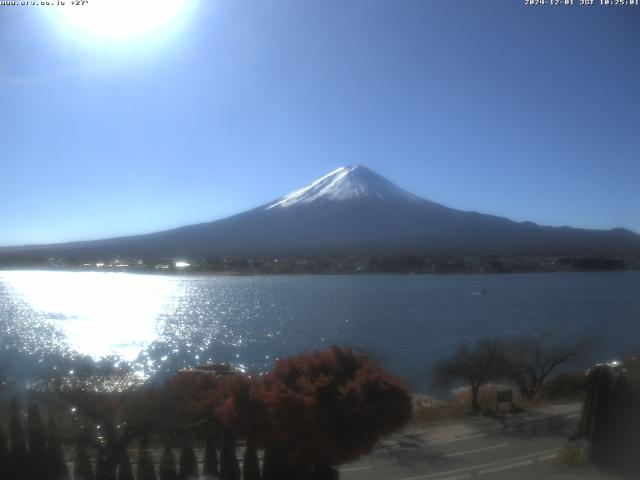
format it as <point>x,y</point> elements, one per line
<point>346,183</point>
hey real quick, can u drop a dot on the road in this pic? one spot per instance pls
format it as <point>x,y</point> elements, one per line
<point>514,446</point>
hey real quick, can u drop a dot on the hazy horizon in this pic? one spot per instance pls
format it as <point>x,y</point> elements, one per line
<point>212,220</point>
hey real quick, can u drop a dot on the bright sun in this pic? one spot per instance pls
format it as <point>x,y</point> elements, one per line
<point>123,19</point>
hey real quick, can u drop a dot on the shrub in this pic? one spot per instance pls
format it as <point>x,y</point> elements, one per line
<point>574,456</point>
<point>565,387</point>
<point>426,409</point>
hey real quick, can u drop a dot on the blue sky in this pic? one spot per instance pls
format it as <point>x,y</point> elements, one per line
<point>527,112</point>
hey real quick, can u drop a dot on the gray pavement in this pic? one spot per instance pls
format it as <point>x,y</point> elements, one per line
<point>522,446</point>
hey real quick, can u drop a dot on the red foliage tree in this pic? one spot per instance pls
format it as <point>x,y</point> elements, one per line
<point>330,407</point>
<point>242,410</point>
<point>239,404</point>
<point>192,398</point>
<point>312,411</point>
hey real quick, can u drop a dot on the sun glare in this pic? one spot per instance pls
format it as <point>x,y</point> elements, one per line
<point>99,313</point>
<point>123,19</point>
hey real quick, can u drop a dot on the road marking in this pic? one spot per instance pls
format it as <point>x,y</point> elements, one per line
<point>431,443</point>
<point>505,467</point>
<point>476,467</point>
<point>457,439</point>
<point>548,457</point>
<point>356,469</point>
<point>457,454</point>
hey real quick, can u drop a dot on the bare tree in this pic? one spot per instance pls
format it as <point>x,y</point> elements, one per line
<point>530,360</point>
<point>475,366</point>
<point>109,409</point>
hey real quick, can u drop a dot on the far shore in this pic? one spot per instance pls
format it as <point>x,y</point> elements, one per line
<point>334,264</point>
<point>235,273</point>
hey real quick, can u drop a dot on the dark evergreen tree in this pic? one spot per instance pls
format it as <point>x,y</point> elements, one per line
<point>100,466</point>
<point>56,464</point>
<point>4,453</point>
<point>250,465</point>
<point>229,468</point>
<point>274,468</point>
<point>125,472</point>
<point>37,444</point>
<point>324,472</point>
<point>210,467</point>
<point>104,469</point>
<point>146,471</point>
<point>19,459</point>
<point>82,469</point>
<point>269,466</point>
<point>168,465</point>
<point>188,462</point>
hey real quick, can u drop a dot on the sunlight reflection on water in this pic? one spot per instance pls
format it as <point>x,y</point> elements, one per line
<point>99,314</point>
<point>164,323</point>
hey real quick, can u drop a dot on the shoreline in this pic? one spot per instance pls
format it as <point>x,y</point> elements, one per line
<point>232,273</point>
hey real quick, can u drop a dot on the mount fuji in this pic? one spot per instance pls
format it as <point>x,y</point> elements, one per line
<point>351,210</point>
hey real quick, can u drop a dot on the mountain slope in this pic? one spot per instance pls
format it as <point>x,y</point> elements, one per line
<point>353,209</point>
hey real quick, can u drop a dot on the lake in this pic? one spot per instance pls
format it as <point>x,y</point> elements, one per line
<point>406,321</point>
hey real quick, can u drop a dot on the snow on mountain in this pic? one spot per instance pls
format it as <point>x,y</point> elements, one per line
<point>346,183</point>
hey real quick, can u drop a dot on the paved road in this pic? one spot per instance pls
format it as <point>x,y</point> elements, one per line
<point>513,446</point>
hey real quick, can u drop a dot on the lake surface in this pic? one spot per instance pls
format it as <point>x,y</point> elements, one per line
<point>406,321</point>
